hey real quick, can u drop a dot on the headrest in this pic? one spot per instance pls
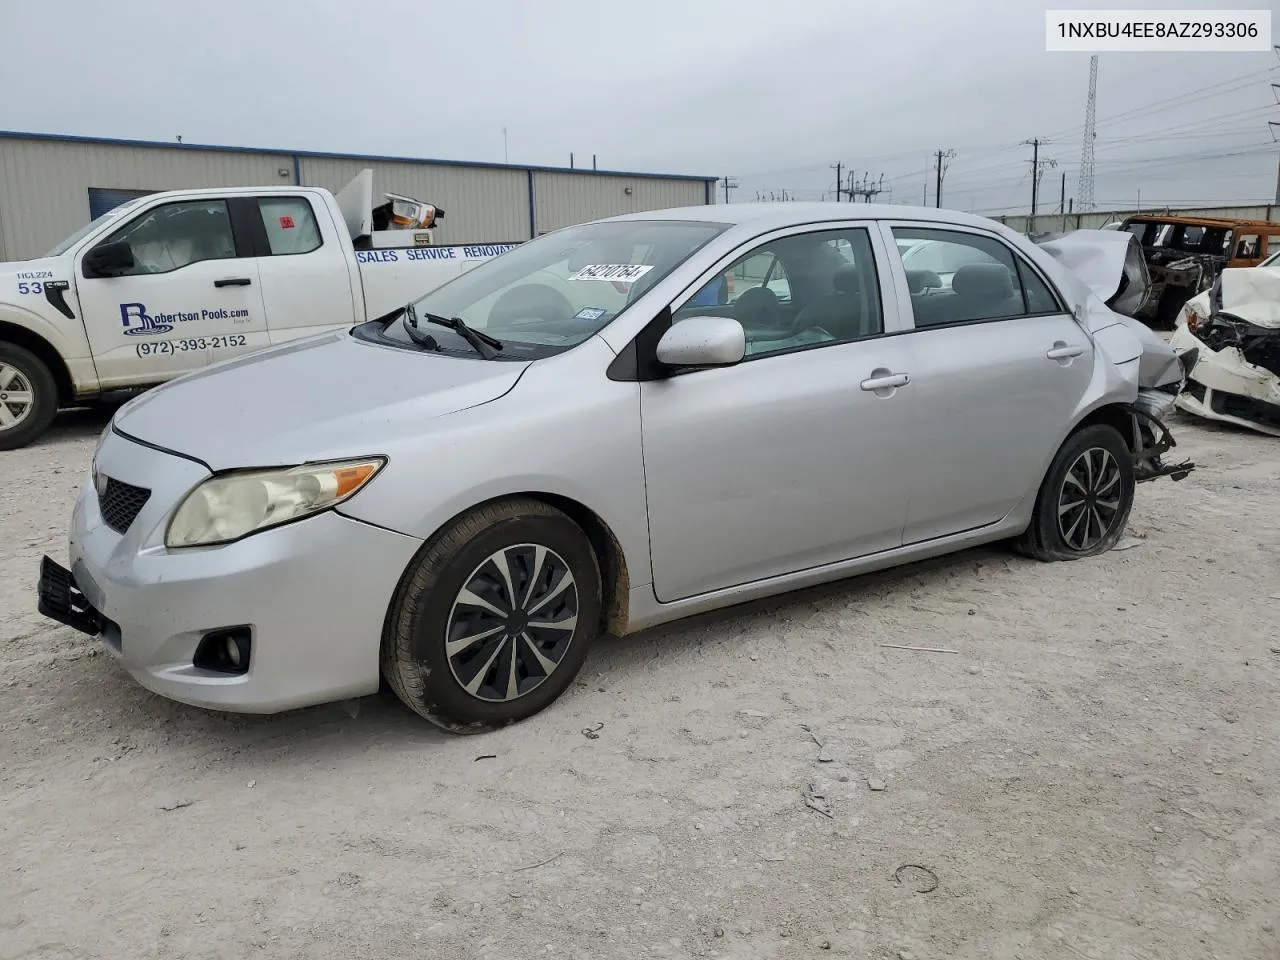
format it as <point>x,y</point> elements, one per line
<point>921,280</point>
<point>847,278</point>
<point>983,279</point>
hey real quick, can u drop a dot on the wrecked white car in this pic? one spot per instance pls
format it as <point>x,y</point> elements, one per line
<point>1235,326</point>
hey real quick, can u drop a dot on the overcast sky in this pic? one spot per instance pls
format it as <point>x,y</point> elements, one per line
<point>772,92</point>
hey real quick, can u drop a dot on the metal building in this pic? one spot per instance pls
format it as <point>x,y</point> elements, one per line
<point>52,185</point>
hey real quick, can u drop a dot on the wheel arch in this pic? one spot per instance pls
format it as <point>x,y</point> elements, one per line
<point>1115,414</point>
<point>615,580</point>
<point>44,351</point>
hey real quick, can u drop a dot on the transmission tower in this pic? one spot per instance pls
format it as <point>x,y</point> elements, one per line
<point>1084,190</point>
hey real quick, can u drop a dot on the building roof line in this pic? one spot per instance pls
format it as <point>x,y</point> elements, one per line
<point>324,155</point>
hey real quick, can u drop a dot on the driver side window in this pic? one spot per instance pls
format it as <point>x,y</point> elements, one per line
<point>798,291</point>
<point>176,235</point>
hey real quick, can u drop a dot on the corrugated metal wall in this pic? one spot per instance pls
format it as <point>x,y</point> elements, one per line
<point>44,185</point>
<point>480,204</point>
<point>563,199</point>
<point>1046,222</point>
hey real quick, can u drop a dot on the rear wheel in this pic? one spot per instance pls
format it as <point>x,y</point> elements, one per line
<point>1085,500</point>
<point>495,618</point>
<point>28,397</point>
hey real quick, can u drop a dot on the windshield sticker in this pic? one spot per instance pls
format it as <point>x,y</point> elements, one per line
<point>286,223</point>
<point>590,313</point>
<point>617,272</point>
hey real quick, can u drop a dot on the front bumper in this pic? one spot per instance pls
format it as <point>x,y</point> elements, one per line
<point>312,594</point>
<point>1225,388</point>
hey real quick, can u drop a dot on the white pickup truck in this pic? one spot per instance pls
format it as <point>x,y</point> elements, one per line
<point>171,282</point>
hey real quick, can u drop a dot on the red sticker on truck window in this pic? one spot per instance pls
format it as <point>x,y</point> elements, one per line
<point>286,223</point>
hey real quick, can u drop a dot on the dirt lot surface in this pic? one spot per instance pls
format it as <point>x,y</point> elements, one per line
<point>1091,775</point>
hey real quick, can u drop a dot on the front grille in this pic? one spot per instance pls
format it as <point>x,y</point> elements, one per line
<point>120,504</point>
<point>1234,405</point>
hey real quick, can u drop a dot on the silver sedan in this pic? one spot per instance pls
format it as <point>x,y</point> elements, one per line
<point>614,425</point>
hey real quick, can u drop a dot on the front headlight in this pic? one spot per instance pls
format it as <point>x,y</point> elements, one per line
<point>234,505</point>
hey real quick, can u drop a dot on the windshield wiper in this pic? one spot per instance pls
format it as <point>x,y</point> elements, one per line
<point>411,328</point>
<point>483,344</point>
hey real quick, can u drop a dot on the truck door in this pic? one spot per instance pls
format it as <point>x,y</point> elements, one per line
<point>305,268</point>
<point>190,296</point>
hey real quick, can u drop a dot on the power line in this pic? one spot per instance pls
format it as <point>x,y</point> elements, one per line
<point>730,184</point>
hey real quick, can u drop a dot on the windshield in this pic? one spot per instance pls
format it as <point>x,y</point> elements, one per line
<point>554,292</point>
<point>92,225</point>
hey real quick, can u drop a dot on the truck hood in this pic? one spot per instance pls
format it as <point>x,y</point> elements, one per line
<point>321,398</point>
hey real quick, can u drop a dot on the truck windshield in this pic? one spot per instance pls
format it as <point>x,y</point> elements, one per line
<point>92,225</point>
<point>554,292</point>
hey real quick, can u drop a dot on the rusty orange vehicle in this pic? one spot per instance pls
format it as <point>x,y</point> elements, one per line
<point>1185,254</point>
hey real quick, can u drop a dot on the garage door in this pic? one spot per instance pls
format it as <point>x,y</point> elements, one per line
<point>102,199</point>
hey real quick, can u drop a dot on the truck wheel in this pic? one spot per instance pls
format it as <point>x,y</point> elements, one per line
<point>28,397</point>
<point>1084,502</point>
<point>493,621</point>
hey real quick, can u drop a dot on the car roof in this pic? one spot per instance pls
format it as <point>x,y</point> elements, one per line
<point>772,216</point>
<point>1199,221</point>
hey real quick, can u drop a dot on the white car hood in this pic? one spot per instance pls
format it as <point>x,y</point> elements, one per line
<point>1249,293</point>
<point>321,398</point>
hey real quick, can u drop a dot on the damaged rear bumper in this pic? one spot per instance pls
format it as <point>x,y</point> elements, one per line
<point>1152,439</point>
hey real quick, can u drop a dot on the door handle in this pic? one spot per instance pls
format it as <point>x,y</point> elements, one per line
<point>1061,351</point>
<point>233,282</point>
<point>884,380</point>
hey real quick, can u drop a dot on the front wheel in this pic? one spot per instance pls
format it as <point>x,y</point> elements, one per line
<point>28,397</point>
<point>1085,499</point>
<point>494,620</point>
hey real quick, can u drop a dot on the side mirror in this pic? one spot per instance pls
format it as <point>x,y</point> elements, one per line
<point>108,259</point>
<point>703,342</point>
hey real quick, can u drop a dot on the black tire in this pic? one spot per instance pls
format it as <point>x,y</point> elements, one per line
<point>414,659</point>
<point>1046,538</point>
<point>44,405</point>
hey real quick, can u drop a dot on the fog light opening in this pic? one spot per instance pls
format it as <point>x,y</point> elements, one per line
<point>227,650</point>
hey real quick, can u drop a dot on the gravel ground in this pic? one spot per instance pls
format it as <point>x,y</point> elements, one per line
<point>1091,775</point>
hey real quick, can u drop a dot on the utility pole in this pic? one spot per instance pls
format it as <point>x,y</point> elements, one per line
<point>942,157</point>
<point>839,181</point>
<point>1037,171</point>
<point>729,184</point>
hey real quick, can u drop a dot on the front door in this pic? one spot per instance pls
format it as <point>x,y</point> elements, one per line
<point>999,367</point>
<point>188,300</point>
<point>792,458</point>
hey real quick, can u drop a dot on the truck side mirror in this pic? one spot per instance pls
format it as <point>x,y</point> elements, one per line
<point>108,259</point>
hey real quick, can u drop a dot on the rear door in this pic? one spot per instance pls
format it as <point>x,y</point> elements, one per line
<point>191,297</point>
<point>999,367</point>
<point>305,268</point>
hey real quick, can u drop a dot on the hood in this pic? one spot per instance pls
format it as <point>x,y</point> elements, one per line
<point>321,398</point>
<point>1246,293</point>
